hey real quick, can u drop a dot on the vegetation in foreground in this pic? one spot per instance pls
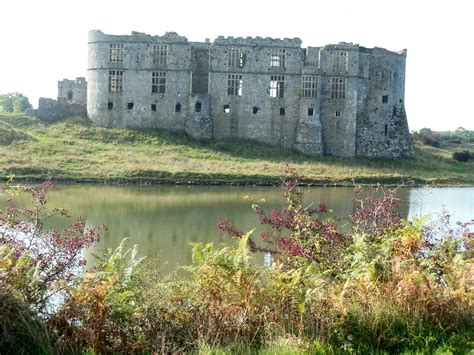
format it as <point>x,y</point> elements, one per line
<point>73,150</point>
<point>390,286</point>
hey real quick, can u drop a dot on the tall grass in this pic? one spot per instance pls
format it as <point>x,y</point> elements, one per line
<point>75,150</point>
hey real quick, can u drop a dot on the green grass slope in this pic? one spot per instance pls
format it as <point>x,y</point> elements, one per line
<point>74,150</point>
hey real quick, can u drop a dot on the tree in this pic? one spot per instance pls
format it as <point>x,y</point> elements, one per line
<point>14,102</point>
<point>462,132</point>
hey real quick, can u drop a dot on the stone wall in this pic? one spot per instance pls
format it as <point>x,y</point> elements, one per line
<point>53,110</point>
<point>251,88</point>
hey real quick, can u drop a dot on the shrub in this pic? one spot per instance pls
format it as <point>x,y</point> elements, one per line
<point>430,140</point>
<point>103,312</point>
<point>41,263</point>
<point>463,156</point>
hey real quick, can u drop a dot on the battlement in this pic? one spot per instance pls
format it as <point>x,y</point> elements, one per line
<point>136,37</point>
<point>258,41</point>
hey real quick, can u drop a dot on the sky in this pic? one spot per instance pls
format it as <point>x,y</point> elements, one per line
<point>43,41</point>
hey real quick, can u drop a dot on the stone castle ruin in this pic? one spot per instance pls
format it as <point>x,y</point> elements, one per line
<point>341,99</point>
<point>72,101</point>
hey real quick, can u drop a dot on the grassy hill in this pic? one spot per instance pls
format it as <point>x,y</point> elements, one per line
<point>74,150</point>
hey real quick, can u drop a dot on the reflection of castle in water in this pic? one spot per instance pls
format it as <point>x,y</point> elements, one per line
<point>165,220</point>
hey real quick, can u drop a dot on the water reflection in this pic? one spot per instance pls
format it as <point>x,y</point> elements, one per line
<point>165,219</point>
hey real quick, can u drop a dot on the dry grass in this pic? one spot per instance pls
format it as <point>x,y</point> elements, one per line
<point>76,151</point>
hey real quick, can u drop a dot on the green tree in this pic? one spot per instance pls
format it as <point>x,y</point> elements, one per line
<point>14,102</point>
<point>462,132</point>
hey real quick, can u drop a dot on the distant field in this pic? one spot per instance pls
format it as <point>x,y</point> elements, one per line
<point>73,150</point>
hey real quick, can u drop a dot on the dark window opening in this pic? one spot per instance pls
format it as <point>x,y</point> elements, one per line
<point>338,113</point>
<point>69,95</point>
<point>177,108</point>
<point>255,109</point>
<point>110,105</point>
<point>130,105</point>
<point>198,107</point>
<point>282,111</point>
<point>153,107</point>
<point>154,89</point>
<point>401,100</point>
<point>386,128</point>
<point>227,108</point>
<point>385,99</point>
<point>310,111</point>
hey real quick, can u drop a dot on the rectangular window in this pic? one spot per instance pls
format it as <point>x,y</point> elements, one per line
<point>385,74</point>
<point>115,80</point>
<point>235,58</point>
<point>234,85</point>
<point>116,53</point>
<point>309,86</point>
<point>339,61</point>
<point>277,86</point>
<point>278,58</point>
<point>160,54</point>
<point>385,99</point>
<point>338,88</point>
<point>158,82</point>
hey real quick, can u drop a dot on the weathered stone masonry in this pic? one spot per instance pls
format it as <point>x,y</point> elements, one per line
<point>343,99</point>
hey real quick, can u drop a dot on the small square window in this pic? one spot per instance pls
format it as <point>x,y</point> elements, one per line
<point>385,99</point>
<point>198,107</point>
<point>255,109</point>
<point>227,108</point>
<point>177,108</point>
<point>153,107</point>
<point>310,111</point>
<point>282,111</point>
<point>110,105</point>
<point>130,105</point>
<point>338,114</point>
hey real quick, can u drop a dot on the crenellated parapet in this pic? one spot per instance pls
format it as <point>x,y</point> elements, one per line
<point>136,37</point>
<point>258,41</point>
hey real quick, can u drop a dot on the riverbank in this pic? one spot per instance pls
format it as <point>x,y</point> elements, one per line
<point>74,151</point>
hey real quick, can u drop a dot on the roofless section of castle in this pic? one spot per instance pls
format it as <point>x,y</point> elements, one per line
<point>340,99</point>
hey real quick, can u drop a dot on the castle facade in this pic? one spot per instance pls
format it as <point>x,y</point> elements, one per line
<point>341,99</point>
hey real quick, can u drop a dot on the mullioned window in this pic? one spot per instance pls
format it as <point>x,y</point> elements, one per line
<point>339,61</point>
<point>309,86</point>
<point>277,86</point>
<point>160,54</point>
<point>278,58</point>
<point>158,82</point>
<point>116,53</point>
<point>234,85</point>
<point>338,88</point>
<point>235,58</point>
<point>115,80</point>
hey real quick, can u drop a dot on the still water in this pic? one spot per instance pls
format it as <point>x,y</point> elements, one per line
<point>164,220</point>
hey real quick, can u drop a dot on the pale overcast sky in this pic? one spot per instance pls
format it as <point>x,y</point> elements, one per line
<point>45,41</point>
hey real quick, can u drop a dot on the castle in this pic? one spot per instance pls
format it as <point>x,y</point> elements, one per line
<point>341,99</point>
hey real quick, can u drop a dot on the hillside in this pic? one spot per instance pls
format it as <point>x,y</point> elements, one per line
<point>75,151</point>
